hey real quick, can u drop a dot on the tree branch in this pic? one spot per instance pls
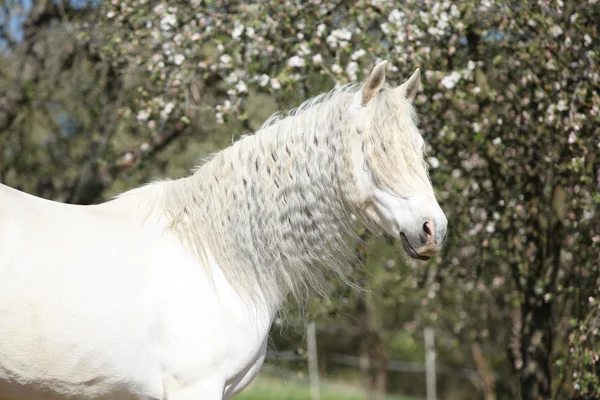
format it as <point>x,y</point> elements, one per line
<point>93,184</point>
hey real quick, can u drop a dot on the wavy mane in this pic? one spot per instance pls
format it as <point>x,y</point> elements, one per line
<point>275,208</point>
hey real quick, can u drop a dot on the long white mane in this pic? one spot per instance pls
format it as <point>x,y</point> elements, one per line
<point>275,208</point>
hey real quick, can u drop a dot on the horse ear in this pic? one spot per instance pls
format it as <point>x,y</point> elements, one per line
<point>374,82</point>
<point>410,88</point>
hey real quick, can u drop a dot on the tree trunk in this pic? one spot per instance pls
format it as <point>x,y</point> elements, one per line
<point>536,346</point>
<point>381,372</point>
<point>372,350</point>
<point>373,354</point>
<point>364,317</point>
<point>364,364</point>
<point>487,376</point>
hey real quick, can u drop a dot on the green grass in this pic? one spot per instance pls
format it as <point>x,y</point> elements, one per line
<point>268,388</point>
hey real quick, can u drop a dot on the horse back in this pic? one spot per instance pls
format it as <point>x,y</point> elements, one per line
<point>70,285</point>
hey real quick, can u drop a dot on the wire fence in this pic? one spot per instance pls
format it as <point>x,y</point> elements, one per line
<point>430,368</point>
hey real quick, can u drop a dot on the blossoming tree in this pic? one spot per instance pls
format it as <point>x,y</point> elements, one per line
<point>510,107</point>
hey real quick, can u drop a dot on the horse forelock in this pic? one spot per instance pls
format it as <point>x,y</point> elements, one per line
<point>394,148</point>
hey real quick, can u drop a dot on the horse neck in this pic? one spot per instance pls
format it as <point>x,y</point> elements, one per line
<point>271,210</point>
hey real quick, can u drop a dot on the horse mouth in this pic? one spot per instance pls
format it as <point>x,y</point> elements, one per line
<point>410,250</point>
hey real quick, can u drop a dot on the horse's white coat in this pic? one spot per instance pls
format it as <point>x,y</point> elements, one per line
<point>108,302</point>
<point>81,319</point>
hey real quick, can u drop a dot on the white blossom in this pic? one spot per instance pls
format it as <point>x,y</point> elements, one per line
<point>443,21</point>
<point>263,80</point>
<point>143,115</point>
<point>485,5</point>
<point>237,30</point>
<point>385,28</point>
<point>225,59</point>
<point>352,69</point>
<point>396,17</point>
<point>339,37</point>
<point>296,61</point>
<point>435,31</point>
<point>321,30</point>
<point>561,105</point>
<point>556,31</point>
<point>304,49</point>
<point>275,84</point>
<point>358,54</point>
<point>454,11</point>
<point>178,59</point>
<point>241,87</point>
<point>568,42</point>
<point>168,21</point>
<point>232,78</point>
<point>168,108</point>
<point>450,81</point>
<point>178,39</point>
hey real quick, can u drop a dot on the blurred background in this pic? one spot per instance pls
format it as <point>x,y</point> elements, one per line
<point>97,97</point>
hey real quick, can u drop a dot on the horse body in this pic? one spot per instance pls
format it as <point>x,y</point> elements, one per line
<point>168,291</point>
<point>108,305</point>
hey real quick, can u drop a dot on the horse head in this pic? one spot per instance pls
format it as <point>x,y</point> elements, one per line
<point>387,156</point>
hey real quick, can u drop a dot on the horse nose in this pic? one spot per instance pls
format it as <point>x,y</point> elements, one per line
<point>428,234</point>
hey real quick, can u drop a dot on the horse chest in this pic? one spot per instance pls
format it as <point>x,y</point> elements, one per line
<point>209,333</point>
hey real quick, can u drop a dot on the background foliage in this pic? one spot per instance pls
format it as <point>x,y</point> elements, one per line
<point>100,96</point>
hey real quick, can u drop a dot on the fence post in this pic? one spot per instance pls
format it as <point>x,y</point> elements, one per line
<point>313,364</point>
<point>430,364</point>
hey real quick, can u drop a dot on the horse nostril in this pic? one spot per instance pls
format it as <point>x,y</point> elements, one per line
<point>428,229</point>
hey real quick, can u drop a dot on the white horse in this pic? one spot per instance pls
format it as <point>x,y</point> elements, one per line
<point>168,291</point>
